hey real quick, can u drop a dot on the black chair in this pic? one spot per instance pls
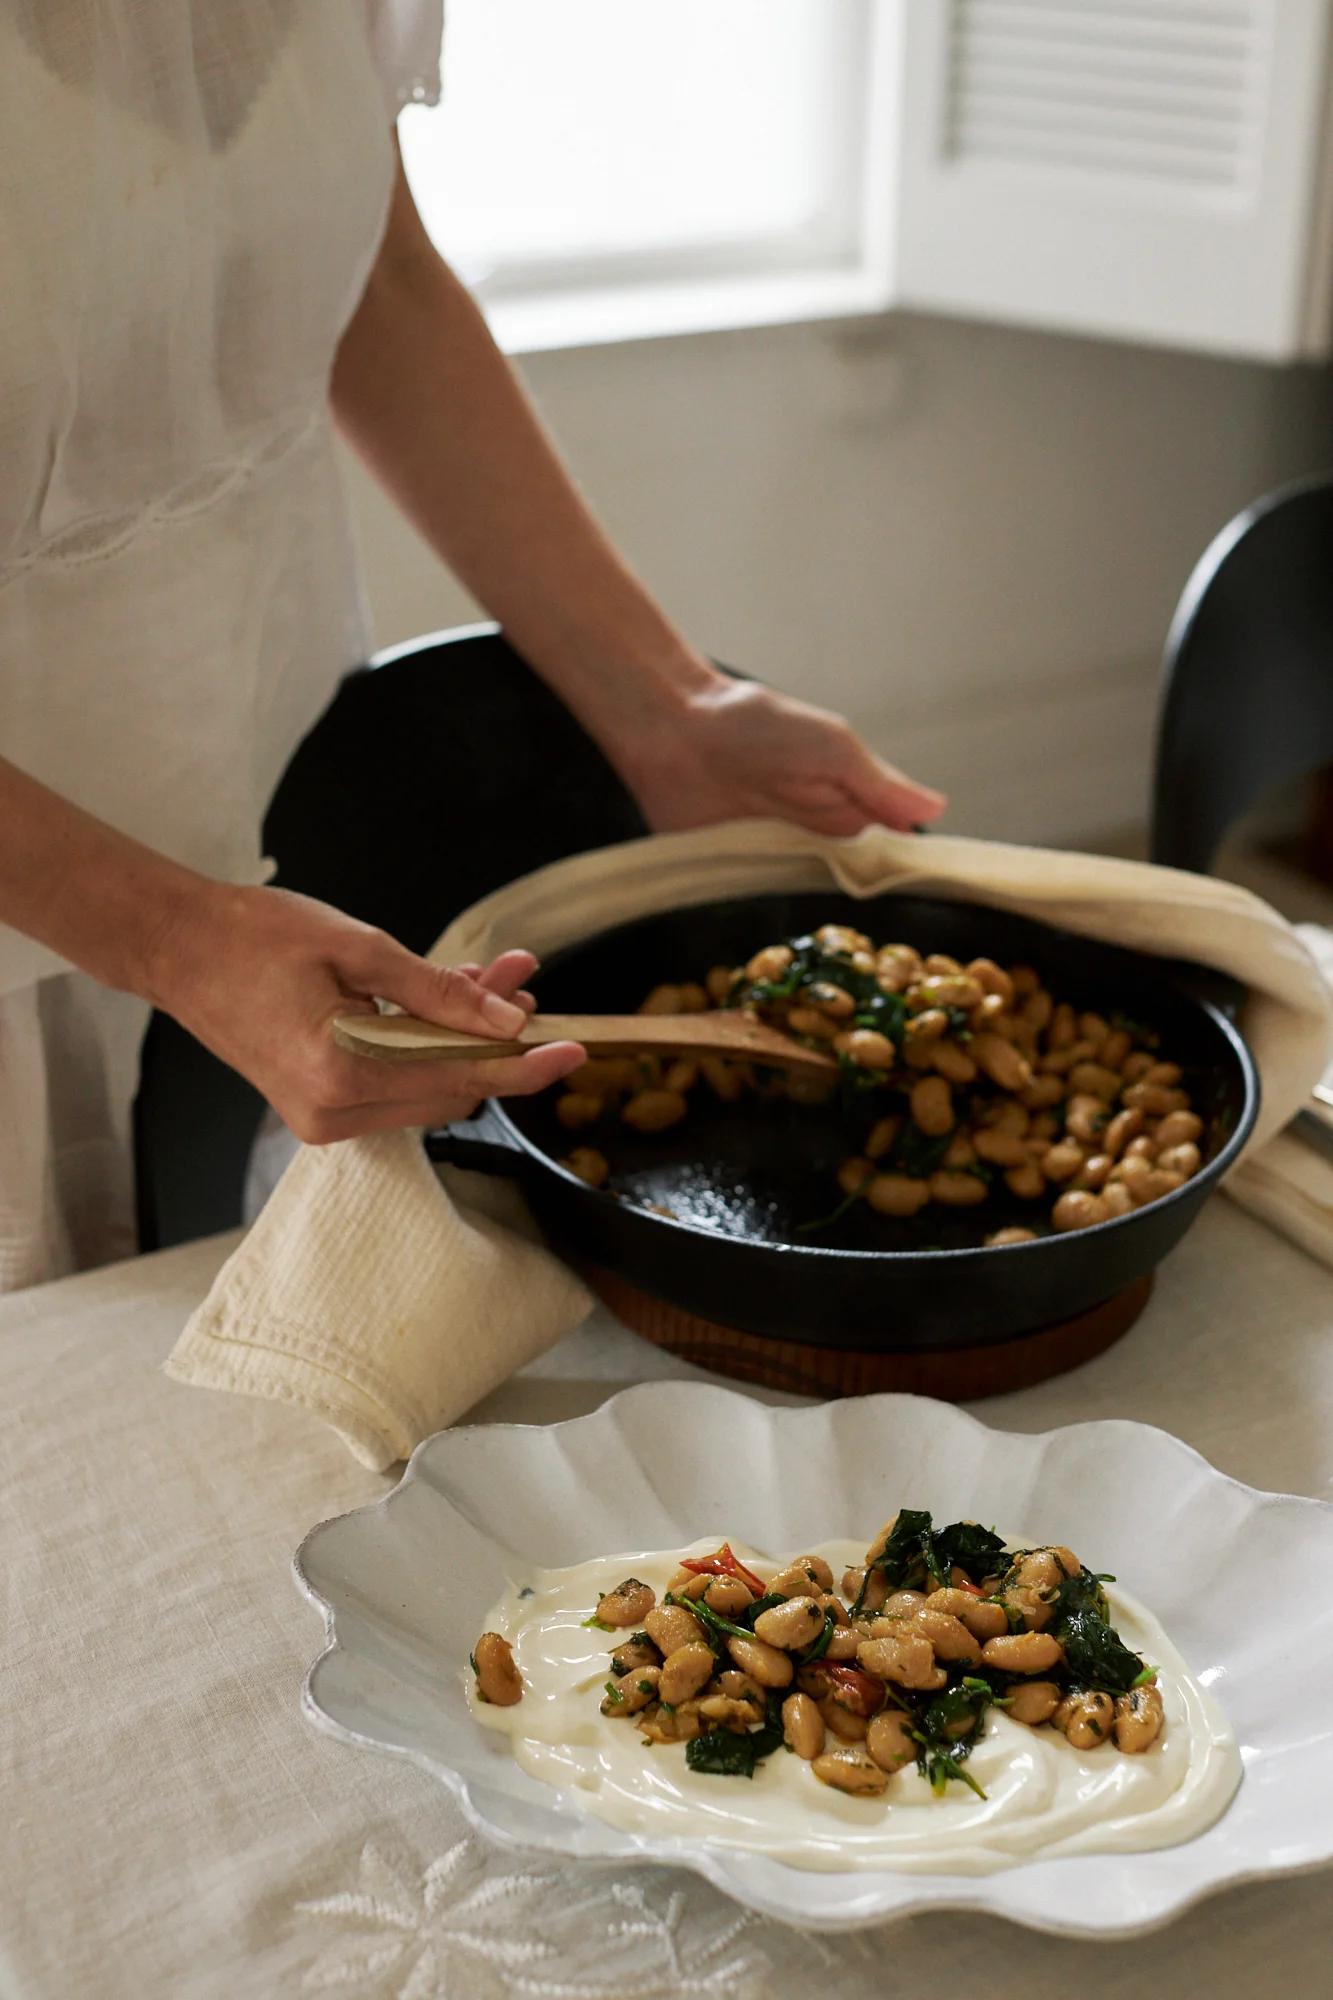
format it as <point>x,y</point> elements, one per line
<point>438,773</point>
<point>1247,701</point>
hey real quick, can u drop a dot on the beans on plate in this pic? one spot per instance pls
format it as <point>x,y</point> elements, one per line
<point>900,1669</point>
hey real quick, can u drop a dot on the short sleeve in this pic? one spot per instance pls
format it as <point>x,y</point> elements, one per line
<point>406,37</point>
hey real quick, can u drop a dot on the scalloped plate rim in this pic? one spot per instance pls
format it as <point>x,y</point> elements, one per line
<point>894,1897</point>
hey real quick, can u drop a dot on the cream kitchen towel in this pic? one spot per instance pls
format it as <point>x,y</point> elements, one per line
<point>370,1293</point>
<point>1289,1182</point>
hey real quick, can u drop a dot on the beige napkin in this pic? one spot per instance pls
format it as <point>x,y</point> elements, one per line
<point>371,1294</point>
<point>1289,1182</point>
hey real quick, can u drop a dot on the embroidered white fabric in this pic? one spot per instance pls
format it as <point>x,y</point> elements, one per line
<point>191,197</point>
<point>471,1921</point>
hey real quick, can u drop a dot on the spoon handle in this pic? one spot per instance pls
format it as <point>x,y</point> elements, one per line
<point>402,1038</point>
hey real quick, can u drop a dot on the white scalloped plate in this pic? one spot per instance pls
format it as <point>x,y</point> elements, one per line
<point>404,1585</point>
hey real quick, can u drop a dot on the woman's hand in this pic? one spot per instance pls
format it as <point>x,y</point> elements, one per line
<point>258,975</point>
<point>438,414</point>
<point>736,750</point>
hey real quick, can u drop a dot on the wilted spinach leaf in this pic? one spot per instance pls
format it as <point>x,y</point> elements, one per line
<point>945,1729</point>
<point>760,1606</point>
<point>819,1645</point>
<point>720,1754</point>
<point>902,1552</point>
<point>1081,1592</point>
<point>916,1551</point>
<point>976,1549</point>
<point>1095,1654</point>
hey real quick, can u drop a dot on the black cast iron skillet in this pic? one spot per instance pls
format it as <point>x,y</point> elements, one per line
<point>746,1181</point>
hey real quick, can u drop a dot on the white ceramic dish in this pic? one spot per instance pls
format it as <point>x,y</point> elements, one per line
<point>1242,1581</point>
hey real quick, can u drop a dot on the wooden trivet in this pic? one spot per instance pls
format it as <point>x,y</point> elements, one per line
<point>955,1374</point>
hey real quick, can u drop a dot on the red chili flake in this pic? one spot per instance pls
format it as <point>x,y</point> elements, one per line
<point>864,1693</point>
<point>724,1563</point>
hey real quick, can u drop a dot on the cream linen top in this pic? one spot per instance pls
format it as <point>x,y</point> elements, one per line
<point>191,198</point>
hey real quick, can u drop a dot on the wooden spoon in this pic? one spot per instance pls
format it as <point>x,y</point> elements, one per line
<point>402,1038</point>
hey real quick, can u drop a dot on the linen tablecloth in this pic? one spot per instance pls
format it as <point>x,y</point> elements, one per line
<point>173,1827</point>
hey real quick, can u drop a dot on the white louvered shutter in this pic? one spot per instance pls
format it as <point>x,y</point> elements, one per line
<point>1148,169</point>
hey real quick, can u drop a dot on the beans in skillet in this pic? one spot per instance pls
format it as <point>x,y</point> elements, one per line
<point>971,1085</point>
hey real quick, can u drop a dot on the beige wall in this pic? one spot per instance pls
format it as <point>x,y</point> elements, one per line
<point>971,539</point>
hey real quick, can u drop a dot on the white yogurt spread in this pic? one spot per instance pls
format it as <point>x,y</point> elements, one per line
<point>1042,1795</point>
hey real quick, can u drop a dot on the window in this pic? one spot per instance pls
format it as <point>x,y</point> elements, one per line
<point>1145,169</point>
<point>601,168</point>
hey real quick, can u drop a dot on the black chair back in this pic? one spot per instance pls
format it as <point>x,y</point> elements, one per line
<point>1247,701</point>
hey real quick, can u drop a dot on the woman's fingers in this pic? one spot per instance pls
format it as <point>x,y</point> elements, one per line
<point>376,964</point>
<point>501,977</point>
<point>507,975</point>
<point>378,1096</point>
<point>836,817</point>
<point>885,796</point>
<point>844,787</point>
<point>360,1094</point>
<point>428,1083</point>
<point>509,971</point>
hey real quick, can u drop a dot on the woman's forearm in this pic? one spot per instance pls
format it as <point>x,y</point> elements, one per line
<point>103,901</point>
<point>258,975</point>
<point>436,411</point>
